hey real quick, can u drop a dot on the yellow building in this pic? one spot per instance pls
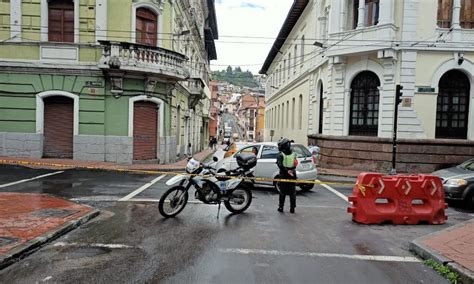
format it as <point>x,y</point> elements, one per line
<point>334,67</point>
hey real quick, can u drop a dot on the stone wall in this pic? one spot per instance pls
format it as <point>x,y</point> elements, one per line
<point>375,154</point>
<point>89,148</point>
<point>117,149</point>
<point>21,144</point>
<point>167,149</point>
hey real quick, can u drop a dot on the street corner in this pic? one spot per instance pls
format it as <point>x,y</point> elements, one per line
<point>27,221</point>
<point>453,247</point>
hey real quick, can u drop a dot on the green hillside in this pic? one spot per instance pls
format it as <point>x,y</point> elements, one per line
<point>236,77</point>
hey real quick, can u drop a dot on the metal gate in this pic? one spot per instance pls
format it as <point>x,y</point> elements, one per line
<point>145,130</point>
<point>58,127</point>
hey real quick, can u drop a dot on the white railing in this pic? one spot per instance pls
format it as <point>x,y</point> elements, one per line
<point>141,58</point>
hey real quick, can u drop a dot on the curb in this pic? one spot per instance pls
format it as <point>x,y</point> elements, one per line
<point>35,244</point>
<point>418,248</point>
<point>52,166</point>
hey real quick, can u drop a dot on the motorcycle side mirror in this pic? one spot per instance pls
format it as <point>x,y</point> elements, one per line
<point>215,159</point>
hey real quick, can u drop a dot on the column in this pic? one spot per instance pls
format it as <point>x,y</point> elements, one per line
<point>455,24</point>
<point>360,19</point>
<point>386,12</point>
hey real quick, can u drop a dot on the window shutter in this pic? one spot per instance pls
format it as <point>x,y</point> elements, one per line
<point>61,21</point>
<point>467,14</point>
<point>445,12</point>
<point>146,27</point>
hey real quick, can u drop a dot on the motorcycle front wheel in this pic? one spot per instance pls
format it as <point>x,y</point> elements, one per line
<point>239,199</point>
<point>173,201</point>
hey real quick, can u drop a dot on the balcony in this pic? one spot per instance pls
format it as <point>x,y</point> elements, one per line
<point>361,40</point>
<point>137,58</point>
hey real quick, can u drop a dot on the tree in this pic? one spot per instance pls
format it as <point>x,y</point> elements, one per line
<point>236,77</point>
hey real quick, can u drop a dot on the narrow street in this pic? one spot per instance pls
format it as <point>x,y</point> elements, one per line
<point>130,242</point>
<point>231,120</point>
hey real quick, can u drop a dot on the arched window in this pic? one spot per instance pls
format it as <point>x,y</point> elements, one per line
<point>283,115</point>
<point>452,108</point>
<point>300,112</point>
<point>146,27</point>
<point>293,113</point>
<point>61,21</point>
<point>364,115</point>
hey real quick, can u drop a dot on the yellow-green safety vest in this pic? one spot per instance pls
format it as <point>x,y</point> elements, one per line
<point>289,160</point>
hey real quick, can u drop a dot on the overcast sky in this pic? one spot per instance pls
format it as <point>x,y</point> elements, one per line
<point>240,20</point>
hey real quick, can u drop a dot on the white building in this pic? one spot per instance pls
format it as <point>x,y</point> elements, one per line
<point>333,70</point>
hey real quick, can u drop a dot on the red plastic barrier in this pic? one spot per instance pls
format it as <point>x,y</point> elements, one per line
<point>398,199</point>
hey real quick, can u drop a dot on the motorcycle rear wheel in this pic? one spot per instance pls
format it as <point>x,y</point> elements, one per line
<point>174,198</point>
<point>236,195</point>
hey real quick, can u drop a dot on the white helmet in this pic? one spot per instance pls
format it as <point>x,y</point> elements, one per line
<point>192,166</point>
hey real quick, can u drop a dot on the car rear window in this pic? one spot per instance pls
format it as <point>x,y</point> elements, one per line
<point>301,151</point>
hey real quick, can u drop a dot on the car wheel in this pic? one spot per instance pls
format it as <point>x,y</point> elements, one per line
<point>277,187</point>
<point>306,186</point>
<point>276,184</point>
<point>469,200</point>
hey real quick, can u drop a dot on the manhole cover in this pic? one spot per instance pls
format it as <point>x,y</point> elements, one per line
<point>57,213</point>
<point>5,241</point>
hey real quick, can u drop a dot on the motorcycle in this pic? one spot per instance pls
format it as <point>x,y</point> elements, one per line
<point>211,187</point>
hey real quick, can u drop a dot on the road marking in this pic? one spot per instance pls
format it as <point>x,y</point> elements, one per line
<point>96,245</point>
<point>30,179</point>
<point>141,188</point>
<point>385,258</point>
<point>334,191</point>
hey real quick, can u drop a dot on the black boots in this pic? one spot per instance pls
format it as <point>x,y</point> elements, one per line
<point>280,209</point>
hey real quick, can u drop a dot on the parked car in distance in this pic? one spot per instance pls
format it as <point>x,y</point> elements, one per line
<point>234,147</point>
<point>458,182</point>
<point>266,167</point>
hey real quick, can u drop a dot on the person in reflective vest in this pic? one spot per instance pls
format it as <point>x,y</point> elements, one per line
<point>286,162</point>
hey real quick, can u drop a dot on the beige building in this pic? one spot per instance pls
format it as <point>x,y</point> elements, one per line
<point>333,70</point>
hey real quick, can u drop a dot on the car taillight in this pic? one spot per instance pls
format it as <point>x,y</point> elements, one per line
<point>314,159</point>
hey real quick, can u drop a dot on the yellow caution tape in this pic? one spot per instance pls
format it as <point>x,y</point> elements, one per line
<point>156,172</point>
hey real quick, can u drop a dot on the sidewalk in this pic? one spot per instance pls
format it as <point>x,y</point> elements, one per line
<point>55,164</point>
<point>453,247</point>
<point>28,221</point>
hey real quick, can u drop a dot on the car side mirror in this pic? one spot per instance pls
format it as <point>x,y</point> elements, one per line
<point>215,159</point>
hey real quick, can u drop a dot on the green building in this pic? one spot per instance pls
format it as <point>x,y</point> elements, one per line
<point>105,80</point>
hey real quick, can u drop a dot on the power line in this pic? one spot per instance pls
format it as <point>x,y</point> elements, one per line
<point>172,35</point>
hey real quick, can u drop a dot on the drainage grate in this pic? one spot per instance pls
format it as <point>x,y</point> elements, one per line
<point>5,241</point>
<point>56,213</point>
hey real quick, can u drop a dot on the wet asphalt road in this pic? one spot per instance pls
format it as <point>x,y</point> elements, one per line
<point>231,120</point>
<point>130,242</point>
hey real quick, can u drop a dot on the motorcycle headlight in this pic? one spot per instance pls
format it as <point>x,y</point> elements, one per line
<point>456,182</point>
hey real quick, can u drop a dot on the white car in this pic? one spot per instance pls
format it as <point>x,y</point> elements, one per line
<point>266,163</point>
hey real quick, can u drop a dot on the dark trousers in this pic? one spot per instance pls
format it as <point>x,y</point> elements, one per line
<point>287,189</point>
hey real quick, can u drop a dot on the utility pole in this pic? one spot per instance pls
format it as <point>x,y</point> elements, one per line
<point>398,100</point>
